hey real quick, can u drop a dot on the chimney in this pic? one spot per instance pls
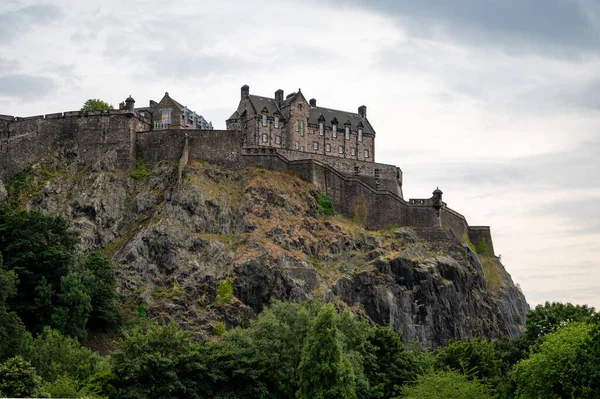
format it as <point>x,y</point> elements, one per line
<point>279,97</point>
<point>245,91</point>
<point>313,103</point>
<point>362,111</point>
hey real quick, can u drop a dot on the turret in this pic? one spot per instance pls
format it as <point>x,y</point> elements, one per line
<point>129,104</point>
<point>437,198</point>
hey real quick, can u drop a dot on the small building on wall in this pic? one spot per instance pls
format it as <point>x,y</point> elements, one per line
<point>293,123</point>
<point>170,114</point>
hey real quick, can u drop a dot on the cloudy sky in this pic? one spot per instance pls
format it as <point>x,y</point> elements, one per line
<point>497,102</point>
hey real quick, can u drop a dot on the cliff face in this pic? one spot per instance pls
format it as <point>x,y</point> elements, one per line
<point>179,247</point>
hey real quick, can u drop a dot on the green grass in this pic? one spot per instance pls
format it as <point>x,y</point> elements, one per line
<point>325,204</point>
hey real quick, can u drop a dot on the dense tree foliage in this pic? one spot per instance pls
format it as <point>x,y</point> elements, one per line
<point>53,286</point>
<point>564,365</point>
<point>95,104</point>
<point>546,318</point>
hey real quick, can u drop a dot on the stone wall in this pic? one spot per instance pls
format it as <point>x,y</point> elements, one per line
<point>476,233</point>
<point>85,136</point>
<point>378,175</point>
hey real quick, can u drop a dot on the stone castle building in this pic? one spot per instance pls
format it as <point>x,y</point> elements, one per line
<point>334,150</point>
<point>296,124</point>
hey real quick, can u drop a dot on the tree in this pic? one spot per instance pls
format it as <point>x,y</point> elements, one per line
<point>12,330</point>
<point>18,378</point>
<point>73,307</point>
<point>475,358</point>
<point>394,366</point>
<point>55,355</point>
<point>98,275</point>
<point>95,104</point>
<point>38,248</point>
<point>546,318</point>
<point>563,365</point>
<point>324,373</point>
<point>447,385</point>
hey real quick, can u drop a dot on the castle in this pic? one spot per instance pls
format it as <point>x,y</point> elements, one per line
<point>335,150</point>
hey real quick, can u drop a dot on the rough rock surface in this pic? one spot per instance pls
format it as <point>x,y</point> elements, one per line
<point>3,193</point>
<point>261,232</point>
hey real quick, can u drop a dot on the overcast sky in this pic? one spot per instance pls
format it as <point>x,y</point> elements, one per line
<point>497,102</point>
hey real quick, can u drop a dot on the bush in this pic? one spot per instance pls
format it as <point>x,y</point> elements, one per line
<point>18,378</point>
<point>482,247</point>
<point>141,171</point>
<point>447,385</point>
<point>224,292</point>
<point>325,204</point>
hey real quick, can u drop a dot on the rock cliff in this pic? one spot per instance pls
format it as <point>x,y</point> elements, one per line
<point>180,246</point>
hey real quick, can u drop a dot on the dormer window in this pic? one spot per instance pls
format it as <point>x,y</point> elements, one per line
<point>264,120</point>
<point>360,137</point>
<point>347,132</point>
<point>321,128</point>
<point>334,130</point>
<point>276,122</point>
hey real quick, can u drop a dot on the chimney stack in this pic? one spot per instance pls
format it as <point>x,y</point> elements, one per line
<point>279,97</point>
<point>362,111</point>
<point>313,103</point>
<point>245,91</point>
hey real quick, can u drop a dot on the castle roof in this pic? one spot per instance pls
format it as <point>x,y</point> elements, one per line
<point>260,103</point>
<point>341,117</point>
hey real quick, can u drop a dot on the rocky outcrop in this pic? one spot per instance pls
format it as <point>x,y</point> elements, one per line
<point>260,234</point>
<point>3,193</point>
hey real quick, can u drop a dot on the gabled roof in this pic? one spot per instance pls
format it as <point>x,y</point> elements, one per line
<point>234,116</point>
<point>260,103</point>
<point>334,115</point>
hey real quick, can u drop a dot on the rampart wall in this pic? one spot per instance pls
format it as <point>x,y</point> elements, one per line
<point>85,136</point>
<point>476,233</point>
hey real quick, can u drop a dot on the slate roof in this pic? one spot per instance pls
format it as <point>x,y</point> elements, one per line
<point>341,116</point>
<point>259,103</point>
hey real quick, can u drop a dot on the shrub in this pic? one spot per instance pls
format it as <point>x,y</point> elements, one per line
<point>224,291</point>
<point>141,170</point>
<point>325,203</point>
<point>482,247</point>
<point>466,240</point>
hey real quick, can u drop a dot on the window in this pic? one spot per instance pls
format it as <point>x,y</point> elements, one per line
<point>315,145</point>
<point>165,115</point>
<point>276,122</point>
<point>297,126</point>
<point>328,147</point>
<point>359,134</point>
<point>277,139</point>
<point>353,151</point>
<point>299,107</point>
<point>366,153</point>
<point>301,148</point>
<point>341,149</point>
<point>297,145</point>
<point>264,120</point>
<point>265,138</point>
<point>347,132</point>
<point>321,128</point>
<point>301,128</point>
<point>334,130</point>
